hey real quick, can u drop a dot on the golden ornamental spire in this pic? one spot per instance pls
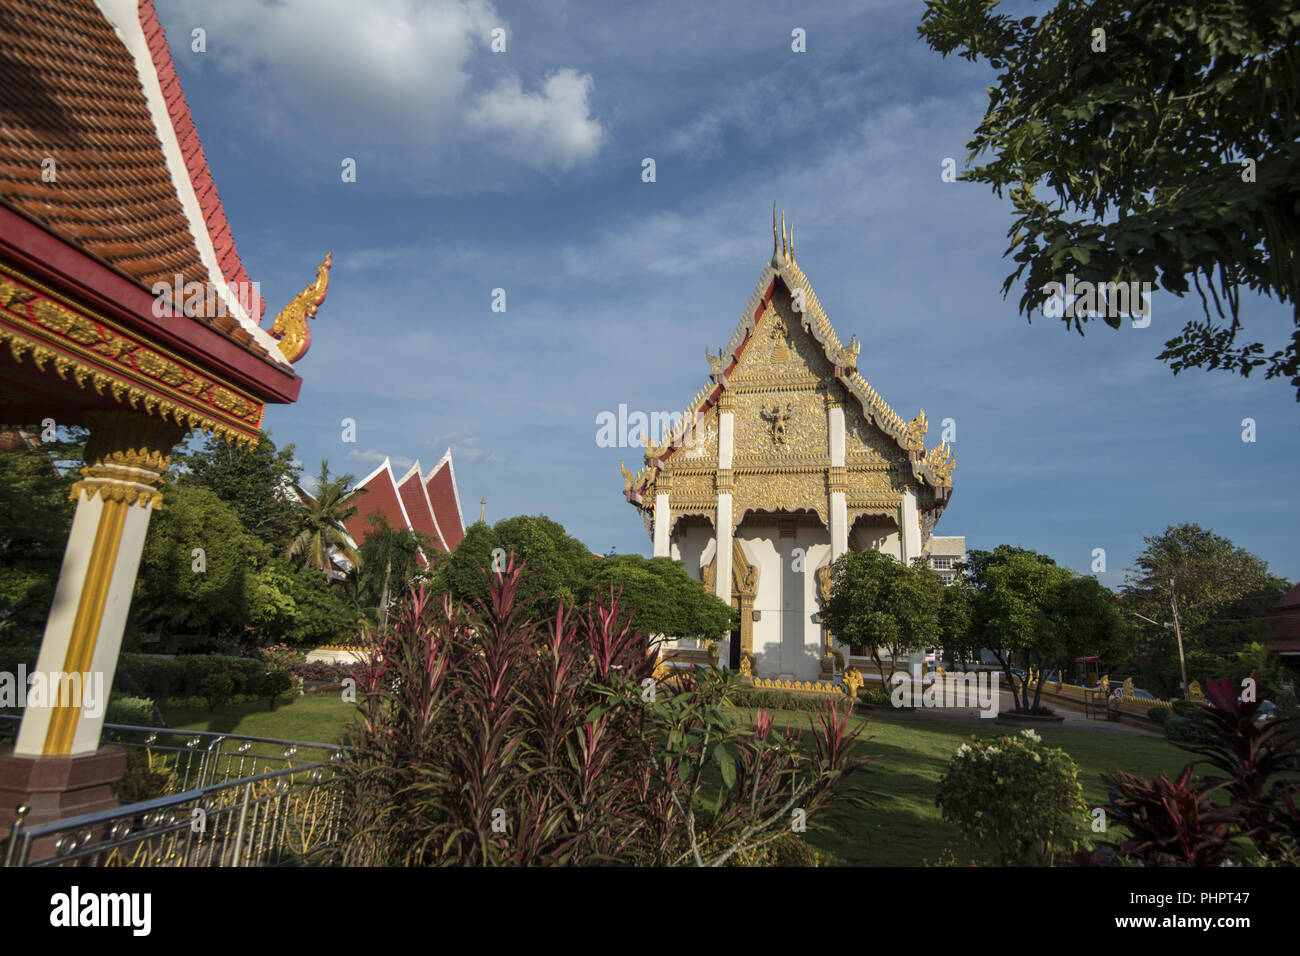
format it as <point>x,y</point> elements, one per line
<point>793,262</point>
<point>482,508</point>
<point>290,325</point>
<point>784,242</point>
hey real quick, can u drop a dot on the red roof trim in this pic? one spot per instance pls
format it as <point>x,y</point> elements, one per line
<point>196,162</point>
<point>70,270</point>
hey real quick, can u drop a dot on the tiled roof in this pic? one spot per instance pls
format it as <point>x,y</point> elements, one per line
<point>72,94</point>
<point>441,488</point>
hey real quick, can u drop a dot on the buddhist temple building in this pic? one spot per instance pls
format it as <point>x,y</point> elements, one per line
<point>428,505</point>
<point>125,308</point>
<point>782,462</point>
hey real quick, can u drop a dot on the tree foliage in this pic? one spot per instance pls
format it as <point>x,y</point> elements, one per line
<point>1140,148</point>
<point>664,598</point>
<point>196,569</point>
<point>35,518</point>
<point>1036,615</point>
<point>1223,594</point>
<point>254,483</point>
<point>322,524</point>
<point>559,565</point>
<point>879,605</point>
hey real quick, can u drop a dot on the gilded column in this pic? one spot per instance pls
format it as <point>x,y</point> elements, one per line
<point>126,456</point>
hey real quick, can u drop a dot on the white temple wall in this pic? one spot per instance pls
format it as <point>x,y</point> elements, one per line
<point>786,640</point>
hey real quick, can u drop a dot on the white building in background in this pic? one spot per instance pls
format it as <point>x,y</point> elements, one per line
<point>946,552</point>
<point>784,461</point>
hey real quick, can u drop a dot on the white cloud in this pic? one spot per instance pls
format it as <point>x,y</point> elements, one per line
<point>552,127</point>
<point>328,68</point>
<point>466,448</point>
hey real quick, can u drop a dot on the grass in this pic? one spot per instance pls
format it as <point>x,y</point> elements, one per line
<point>903,827</point>
<point>317,718</point>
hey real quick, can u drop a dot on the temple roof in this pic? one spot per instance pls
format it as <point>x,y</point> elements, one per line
<point>429,505</point>
<point>92,87</point>
<point>933,467</point>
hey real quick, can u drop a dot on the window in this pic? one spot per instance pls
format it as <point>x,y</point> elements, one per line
<point>941,563</point>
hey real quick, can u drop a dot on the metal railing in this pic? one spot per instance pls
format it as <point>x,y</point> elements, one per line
<point>283,817</point>
<point>192,759</point>
<point>227,800</point>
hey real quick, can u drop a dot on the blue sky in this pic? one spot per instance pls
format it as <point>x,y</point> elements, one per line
<point>522,171</point>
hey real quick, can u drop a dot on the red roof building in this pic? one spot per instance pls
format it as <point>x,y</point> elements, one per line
<point>1285,624</point>
<point>430,506</point>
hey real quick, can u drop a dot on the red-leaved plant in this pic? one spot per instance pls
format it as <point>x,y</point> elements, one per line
<point>487,737</point>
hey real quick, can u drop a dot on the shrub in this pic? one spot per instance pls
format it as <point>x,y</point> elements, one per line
<point>1015,797</point>
<point>877,697</point>
<point>748,697</point>
<point>133,711</point>
<point>488,736</point>
<point>217,690</point>
<point>1171,822</point>
<point>1158,715</point>
<point>273,685</point>
<point>145,778</point>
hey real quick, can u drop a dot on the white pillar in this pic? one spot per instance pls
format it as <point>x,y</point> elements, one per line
<point>726,438</point>
<point>910,530</point>
<point>839,524</point>
<point>837,435</point>
<point>126,455</point>
<point>662,521</point>
<point>722,533</point>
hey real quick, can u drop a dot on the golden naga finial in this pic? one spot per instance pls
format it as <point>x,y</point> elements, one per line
<point>628,477</point>
<point>914,434</point>
<point>291,326</point>
<point>785,243</point>
<point>793,261</point>
<point>941,462</point>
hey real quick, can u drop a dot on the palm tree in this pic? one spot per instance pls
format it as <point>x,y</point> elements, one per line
<point>323,525</point>
<point>389,561</point>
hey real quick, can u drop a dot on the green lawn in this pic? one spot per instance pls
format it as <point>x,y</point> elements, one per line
<point>903,827</point>
<point>317,718</point>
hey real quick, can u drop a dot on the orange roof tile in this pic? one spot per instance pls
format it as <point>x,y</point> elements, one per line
<point>73,95</point>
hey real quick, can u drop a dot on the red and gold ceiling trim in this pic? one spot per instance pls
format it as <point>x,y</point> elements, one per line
<point>39,325</point>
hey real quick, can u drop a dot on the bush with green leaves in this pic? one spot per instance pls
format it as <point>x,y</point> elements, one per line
<point>1158,715</point>
<point>132,711</point>
<point>217,689</point>
<point>1015,797</point>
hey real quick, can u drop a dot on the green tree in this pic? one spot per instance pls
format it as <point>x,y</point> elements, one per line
<point>1171,144</point>
<point>1036,615</point>
<point>665,598</point>
<point>881,606</point>
<point>390,563</point>
<point>35,518</point>
<point>1222,594</point>
<point>255,483</point>
<point>196,567</point>
<point>558,565</point>
<point>295,604</point>
<point>322,524</point>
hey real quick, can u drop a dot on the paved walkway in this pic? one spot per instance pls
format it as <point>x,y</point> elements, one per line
<point>1074,719</point>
